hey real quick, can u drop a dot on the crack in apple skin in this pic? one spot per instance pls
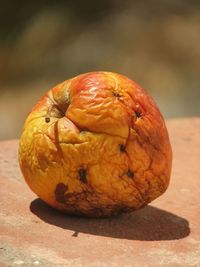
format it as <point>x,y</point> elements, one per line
<point>96,145</point>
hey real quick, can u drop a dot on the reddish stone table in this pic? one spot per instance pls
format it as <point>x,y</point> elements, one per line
<point>165,233</point>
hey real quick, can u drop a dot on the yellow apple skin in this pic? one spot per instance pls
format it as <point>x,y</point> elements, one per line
<point>96,145</point>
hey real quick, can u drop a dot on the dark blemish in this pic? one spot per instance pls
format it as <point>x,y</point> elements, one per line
<point>116,94</point>
<point>122,147</point>
<point>138,114</point>
<point>47,119</point>
<point>75,234</point>
<point>83,175</point>
<point>60,192</point>
<point>130,174</point>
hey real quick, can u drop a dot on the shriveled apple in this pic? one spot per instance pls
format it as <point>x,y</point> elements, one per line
<point>96,145</point>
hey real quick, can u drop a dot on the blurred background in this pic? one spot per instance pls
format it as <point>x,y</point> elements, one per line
<point>154,42</point>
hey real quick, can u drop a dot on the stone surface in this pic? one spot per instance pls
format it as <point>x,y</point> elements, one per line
<point>165,233</point>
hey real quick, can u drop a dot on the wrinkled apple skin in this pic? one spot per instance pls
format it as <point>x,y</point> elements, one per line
<point>96,145</point>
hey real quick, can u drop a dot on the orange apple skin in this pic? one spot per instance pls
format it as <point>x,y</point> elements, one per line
<point>96,145</point>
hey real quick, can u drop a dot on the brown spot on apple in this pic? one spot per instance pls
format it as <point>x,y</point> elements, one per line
<point>130,174</point>
<point>83,175</point>
<point>138,114</point>
<point>60,192</point>
<point>116,94</point>
<point>122,147</point>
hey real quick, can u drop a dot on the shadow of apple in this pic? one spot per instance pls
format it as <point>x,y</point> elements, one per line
<point>149,223</point>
